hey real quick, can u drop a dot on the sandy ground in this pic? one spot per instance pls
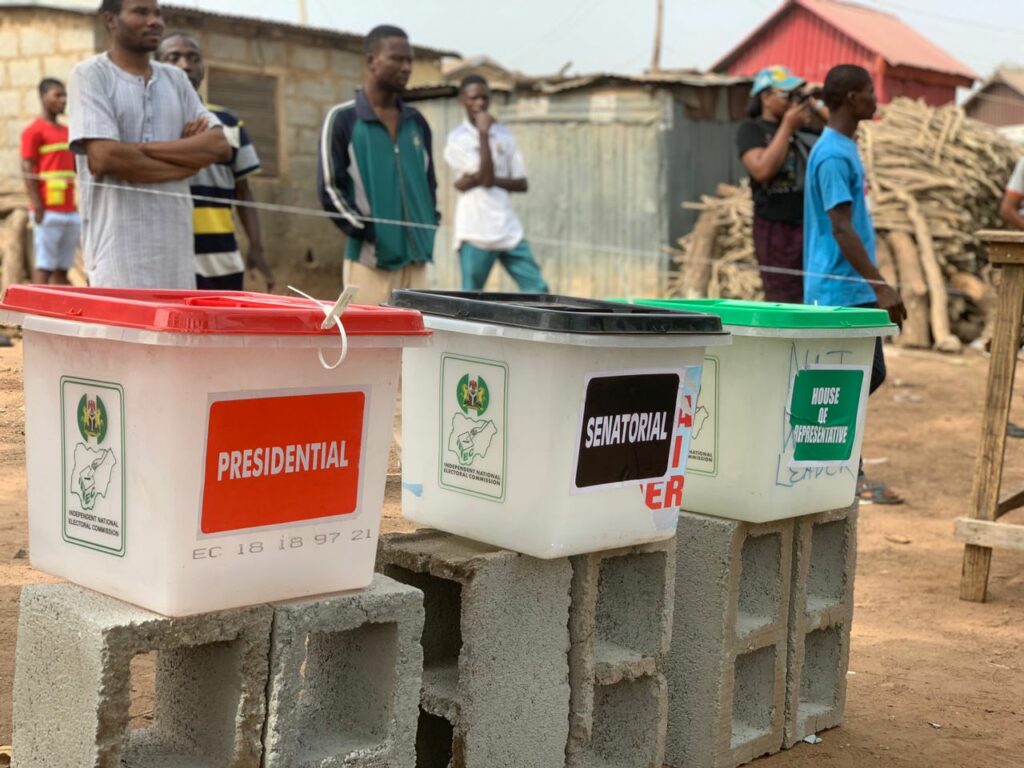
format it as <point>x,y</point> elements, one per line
<point>934,681</point>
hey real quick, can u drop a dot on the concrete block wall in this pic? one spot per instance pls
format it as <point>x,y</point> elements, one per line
<point>821,613</point>
<point>620,628</point>
<point>34,43</point>
<point>72,686</point>
<point>345,676</point>
<point>495,651</point>
<point>726,669</point>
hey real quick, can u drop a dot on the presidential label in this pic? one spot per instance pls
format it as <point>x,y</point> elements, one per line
<point>625,432</point>
<point>824,411</point>
<point>282,460</point>
<point>93,458</point>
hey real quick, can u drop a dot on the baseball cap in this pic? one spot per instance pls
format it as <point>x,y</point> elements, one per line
<point>776,77</point>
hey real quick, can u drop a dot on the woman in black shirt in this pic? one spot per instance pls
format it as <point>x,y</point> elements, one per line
<point>773,146</point>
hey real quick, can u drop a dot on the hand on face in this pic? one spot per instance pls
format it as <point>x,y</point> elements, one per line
<point>483,121</point>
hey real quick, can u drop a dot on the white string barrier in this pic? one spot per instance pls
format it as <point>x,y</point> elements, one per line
<point>590,247</point>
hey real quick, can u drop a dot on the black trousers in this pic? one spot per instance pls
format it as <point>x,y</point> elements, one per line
<point>878,364</point>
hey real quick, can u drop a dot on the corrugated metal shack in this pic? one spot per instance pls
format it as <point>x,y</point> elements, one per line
<point>610,161</point>
<point>1000,100</point>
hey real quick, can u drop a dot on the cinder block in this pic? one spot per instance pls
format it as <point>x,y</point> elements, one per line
<point>821,614</point>
<point>726,670</point>
<point>620,628</point>
<point>345,674</point>
<point>495,650</point>
<point>72,686</point>
<point>628,725</point>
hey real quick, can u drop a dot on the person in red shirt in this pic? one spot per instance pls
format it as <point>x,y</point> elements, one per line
<point>49,170</point>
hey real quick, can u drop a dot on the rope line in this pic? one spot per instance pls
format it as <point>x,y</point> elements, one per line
<point>678,255</point>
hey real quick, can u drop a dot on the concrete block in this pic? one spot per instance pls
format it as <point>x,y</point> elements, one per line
<point>346,64</point>
<point>227,48</point>
<point>60,66</point>
<point>270,53</point>
<point>345,675</point>
<point>495,650</point>
<point>320,89</point>
<point>78,38</point>
<point>620,628</point>
<point>10,103</point>
<point>12,131</point>
<point>304,113</point>
<point>36,39</point>
<point>8,42</point>
<point>72,687</point>
<point>628,726</point>
<point>821,614</point>
<point>726,670</point>
<point>312,59</point>
<point>25,72</point>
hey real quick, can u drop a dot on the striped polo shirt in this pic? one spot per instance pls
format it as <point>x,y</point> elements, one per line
<point>217,251</point>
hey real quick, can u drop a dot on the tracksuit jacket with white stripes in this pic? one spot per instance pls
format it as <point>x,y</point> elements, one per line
<point>362,173</point>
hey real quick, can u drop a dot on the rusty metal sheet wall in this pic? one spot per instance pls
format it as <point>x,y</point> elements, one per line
<point>596,214</point>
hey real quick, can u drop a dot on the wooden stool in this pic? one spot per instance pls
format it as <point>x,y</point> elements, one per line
<point>982,531</point>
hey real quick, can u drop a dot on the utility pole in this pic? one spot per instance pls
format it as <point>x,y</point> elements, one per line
<point>656,53</point>
<point>303,19</point>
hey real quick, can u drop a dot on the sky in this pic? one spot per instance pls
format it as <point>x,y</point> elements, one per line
<point>540,36</point>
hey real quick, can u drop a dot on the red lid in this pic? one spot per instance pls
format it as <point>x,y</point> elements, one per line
<point>215,312</point>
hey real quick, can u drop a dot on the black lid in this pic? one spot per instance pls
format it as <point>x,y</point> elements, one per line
<point>550,312</point>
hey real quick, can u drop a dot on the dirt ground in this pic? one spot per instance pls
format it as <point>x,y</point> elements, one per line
<point>933,681</point>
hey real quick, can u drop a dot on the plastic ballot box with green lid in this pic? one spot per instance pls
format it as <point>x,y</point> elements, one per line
<point>779,423</point>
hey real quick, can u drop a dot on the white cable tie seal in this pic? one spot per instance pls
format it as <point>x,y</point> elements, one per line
<point>332,316</point>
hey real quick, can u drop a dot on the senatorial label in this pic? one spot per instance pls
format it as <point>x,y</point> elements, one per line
<point>625,430</point>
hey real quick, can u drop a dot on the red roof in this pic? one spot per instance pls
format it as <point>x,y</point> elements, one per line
<point>877,31</point>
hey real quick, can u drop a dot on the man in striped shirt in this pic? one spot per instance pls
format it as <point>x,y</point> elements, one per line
<point>219,264</point>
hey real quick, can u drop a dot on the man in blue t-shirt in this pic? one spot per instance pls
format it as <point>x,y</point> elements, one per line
<point>840,268</point>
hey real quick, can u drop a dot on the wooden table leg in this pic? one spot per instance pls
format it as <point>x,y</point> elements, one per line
<point>988,471</point>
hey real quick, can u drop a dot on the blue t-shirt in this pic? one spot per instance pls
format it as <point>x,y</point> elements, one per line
<point>835,175</point>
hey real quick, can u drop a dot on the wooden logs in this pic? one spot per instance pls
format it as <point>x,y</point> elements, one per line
<point>916,331</point>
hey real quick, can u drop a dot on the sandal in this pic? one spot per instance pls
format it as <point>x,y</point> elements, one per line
<point>876,493</point>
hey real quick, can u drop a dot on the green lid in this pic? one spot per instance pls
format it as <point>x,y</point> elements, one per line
<point>760,314</point>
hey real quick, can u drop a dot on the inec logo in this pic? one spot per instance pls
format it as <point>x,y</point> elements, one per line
<point>473,394</point>
<point>92,418</point>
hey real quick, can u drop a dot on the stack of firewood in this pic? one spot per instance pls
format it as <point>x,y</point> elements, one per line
<point>717,258</point>
<point>936,178</point>
<point>15,264</point>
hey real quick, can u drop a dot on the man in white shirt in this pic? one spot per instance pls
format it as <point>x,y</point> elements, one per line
<point>487,171</point>
<point>139,131</point>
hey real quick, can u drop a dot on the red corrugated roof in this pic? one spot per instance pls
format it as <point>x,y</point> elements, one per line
<point>883,33</point>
